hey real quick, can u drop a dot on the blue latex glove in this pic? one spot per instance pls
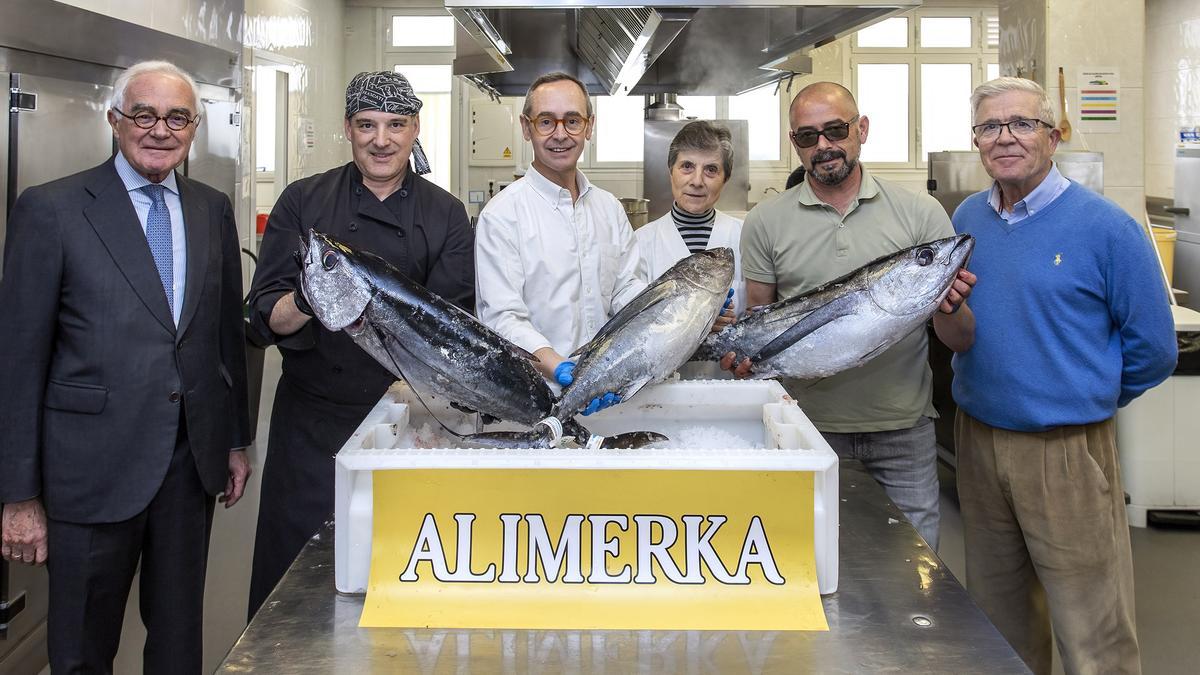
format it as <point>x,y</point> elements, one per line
<point>728,302</point>
<point>564,374</point>
<point>601,402</point>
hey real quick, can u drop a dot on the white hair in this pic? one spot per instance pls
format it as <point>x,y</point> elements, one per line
<point>149,67</point>
<point>1004,84</point>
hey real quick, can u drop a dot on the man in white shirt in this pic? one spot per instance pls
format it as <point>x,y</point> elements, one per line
<point>555,256</point>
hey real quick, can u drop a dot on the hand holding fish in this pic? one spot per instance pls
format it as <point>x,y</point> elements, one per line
<point>564,374</point>
<point>960,290</point>
<point>740,370</point>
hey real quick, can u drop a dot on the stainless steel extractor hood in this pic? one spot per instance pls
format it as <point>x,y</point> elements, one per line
<point>705,47</point>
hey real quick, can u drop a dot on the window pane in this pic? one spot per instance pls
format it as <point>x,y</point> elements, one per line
<point>991,33</point>
<point>435,79</point>
<point>422,31</point>
<point>993,71</point>
<point>431,84</point>
<point>938,31</point>
<point>761,109</point>
<point>264,118</point>
<point>883,97</point>
<point>945,107</point>
<point>888,33</point>
<point>620,123</point>
<point>700,107</point>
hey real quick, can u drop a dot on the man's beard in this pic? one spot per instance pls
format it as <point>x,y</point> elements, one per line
<point>835,176</point>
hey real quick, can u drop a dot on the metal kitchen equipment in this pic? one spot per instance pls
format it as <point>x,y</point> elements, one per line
<point>709,47</point>
<point>1186,210</point>
<point>635,210</point>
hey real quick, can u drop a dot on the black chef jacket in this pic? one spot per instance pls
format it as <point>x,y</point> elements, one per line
<point>329,383</point>
<point>421,229</point>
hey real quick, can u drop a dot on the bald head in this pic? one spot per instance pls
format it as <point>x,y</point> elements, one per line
<point>830,94</point>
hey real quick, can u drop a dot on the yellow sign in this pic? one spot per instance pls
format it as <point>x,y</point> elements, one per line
<point>593,549</point>
<point>507,153</point>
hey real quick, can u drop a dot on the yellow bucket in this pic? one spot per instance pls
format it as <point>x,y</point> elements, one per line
<point>1164,239</point>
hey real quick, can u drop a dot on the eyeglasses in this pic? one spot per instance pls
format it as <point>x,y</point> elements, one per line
<point>990,131</point>
<point>806,138</point>
<point>176,121</point>
<point>545,124</point>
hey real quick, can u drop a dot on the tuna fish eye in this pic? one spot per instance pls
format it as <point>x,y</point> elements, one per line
<point>329,260</point>
<point>924,256</point>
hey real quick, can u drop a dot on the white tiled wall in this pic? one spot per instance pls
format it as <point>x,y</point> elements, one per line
<point>1079,37</point>
<point>1172,74</point>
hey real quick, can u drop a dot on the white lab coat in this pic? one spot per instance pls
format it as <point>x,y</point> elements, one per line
<point>661,246</point>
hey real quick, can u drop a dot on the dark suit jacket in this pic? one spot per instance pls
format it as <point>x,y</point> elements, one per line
<point>93,371</point>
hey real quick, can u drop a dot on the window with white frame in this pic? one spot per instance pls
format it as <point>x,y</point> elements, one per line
<point>913,75</point>
<point>621,118</point>
<point>420,45</point>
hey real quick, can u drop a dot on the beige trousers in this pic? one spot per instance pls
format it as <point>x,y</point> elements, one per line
<point>1047,541</point>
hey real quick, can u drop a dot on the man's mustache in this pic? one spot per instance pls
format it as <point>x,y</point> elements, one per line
<point>827,155</point>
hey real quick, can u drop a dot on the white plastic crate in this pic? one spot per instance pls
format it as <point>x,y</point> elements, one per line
<point>759,411</point>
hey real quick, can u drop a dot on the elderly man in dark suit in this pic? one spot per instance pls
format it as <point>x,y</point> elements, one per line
<point>123,410</point>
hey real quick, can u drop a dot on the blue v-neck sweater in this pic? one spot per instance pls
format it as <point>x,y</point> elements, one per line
<point>1071,316</point>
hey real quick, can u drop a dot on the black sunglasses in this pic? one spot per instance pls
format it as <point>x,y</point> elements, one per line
<point>806,138</point>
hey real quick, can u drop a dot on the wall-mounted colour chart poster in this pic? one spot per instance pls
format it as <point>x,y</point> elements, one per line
<point>1100,100</point>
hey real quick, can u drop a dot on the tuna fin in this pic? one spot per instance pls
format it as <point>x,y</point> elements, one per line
<point>647,298</point>
<point>632,440</point>
<point>801,329</point>
<point>879,349</point>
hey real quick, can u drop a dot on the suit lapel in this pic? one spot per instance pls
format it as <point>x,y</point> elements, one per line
<point>116,223</point>
<point>198,226</point>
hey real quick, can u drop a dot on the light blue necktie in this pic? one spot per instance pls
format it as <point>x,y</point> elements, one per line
<point>158,234</point>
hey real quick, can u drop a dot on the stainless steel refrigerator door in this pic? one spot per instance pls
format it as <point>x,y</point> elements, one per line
<point>65,134</point>
<point>213,159</point>
<point>1187,224</point>
<point>1187,185</point>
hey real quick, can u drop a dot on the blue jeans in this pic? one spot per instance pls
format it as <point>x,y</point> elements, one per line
<point>904,462</point>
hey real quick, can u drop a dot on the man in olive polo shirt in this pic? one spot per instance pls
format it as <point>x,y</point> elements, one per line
<point>839,219</point>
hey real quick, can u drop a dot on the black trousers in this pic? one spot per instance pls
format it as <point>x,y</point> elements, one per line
<point>297,482</point>
<point>92,567</point>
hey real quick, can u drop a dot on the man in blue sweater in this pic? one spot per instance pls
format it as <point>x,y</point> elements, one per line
<point>1072,322</point>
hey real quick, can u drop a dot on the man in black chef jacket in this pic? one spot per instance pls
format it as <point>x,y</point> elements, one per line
<point>379,203</point>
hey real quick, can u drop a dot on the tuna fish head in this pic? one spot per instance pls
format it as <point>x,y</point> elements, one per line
<point>912,280</point>
<point>711,270</point>
<point>334,285</point>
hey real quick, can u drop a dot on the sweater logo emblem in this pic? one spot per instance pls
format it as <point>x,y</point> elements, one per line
<point>1057,259</point>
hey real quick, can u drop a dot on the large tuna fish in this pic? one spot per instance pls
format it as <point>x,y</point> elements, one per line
<point>418,336</point>
<point>848,321</point>
<point>654,334</point>
<point>440,349</point>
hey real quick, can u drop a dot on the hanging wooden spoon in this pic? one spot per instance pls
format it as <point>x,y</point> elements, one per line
<point>1064,124</point>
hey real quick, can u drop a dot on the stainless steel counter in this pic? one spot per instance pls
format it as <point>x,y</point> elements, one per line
<point>897,609</point>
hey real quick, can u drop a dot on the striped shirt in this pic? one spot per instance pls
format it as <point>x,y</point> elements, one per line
<point>694,229</point>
